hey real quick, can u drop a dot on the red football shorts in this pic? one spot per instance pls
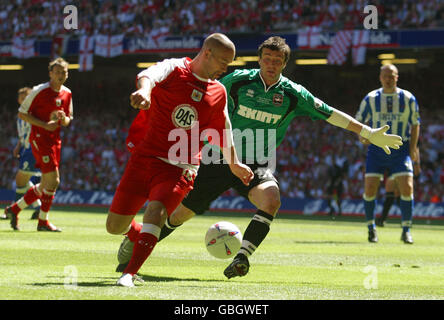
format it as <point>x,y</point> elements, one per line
<point>46,154</point>
<point>149,178</point>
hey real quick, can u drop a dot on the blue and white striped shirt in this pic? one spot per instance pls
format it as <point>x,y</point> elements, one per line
<point>399,110</point>
<point>24,130</point>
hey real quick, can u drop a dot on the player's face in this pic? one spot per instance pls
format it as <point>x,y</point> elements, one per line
<point>388,78</point>
<point>218,61</point>
<point>272,63</point>
<point>58,74</point>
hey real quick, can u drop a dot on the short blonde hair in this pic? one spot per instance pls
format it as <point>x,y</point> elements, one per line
<point>58,62</point>
<point>389,66</point>
<point>24,90</point>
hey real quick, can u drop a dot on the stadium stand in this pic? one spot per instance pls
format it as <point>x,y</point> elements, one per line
<point>44,19</point>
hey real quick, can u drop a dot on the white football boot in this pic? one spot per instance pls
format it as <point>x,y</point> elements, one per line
<point>127,280</point>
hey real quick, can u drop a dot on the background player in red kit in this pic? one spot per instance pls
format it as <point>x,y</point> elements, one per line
<point>46,108</point>
<point>176,96</point>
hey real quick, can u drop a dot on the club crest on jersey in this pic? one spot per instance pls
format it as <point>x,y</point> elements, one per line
<point>278,99</point>
<point>250,93</point>
<point>58,102</point>
<point>196,95</point>
<point>184,116</point>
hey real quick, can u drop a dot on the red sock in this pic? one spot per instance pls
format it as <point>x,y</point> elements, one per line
<point>43,222</point>
<point>47,197</point>
<point>15,208</point>
<point>142,249</point>
<point>30,196</point>
<point>133,233</point>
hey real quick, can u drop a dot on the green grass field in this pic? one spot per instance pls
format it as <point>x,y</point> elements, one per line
<point>302,258</point>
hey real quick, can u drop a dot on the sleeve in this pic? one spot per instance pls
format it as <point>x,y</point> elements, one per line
<point>20,131</point>
<point>309,105</point>
<point>364,112</point>
<point>29,100</point>
<point>229,80</point>
<point>413,103</point>
<point>70,108</point>
<point>161,70</point>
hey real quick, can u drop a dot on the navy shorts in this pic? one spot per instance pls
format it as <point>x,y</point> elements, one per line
<point>27,162</point>
<point>398,163</point>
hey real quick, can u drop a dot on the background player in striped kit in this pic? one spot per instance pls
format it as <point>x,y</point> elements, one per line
<point>27,174</point>
<point>399,109</point>
<point>262,100</point>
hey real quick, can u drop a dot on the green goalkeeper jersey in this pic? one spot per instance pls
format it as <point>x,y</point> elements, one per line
<point>260,116</point>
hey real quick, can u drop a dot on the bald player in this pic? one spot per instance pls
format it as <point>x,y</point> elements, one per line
<point>180,103</point>
<point>398,108</point>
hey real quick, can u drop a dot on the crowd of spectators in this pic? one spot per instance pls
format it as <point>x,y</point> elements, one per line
<point>45,19</point>
<point>94,153</point>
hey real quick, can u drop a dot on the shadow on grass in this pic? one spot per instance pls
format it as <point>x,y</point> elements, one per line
<point>325,242</point>
<point>79,284</point>
<point>151,278</point>
<point>111,281</point>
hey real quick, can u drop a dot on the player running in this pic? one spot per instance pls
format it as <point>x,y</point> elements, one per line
<point>390,105</point>
<point>46,108</point>
<point>260,101</point>
<point>180,100</point>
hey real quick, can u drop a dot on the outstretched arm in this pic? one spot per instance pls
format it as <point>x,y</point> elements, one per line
<point>141,98</point>
<point>377,136</point>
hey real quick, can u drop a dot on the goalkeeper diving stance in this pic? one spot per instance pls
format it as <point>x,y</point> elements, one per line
<point>261,102</point>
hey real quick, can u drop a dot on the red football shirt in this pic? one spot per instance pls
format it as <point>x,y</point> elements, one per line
<point>41,102</point>
<point>184,109</point>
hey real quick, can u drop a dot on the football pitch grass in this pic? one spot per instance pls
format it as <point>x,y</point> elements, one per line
<point>301,259</point>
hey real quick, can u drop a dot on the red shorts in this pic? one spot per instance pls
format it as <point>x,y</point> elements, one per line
<point>47,155</point>
<point>149,178</point>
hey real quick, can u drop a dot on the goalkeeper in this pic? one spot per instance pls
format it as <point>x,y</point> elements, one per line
<point>261,102</point>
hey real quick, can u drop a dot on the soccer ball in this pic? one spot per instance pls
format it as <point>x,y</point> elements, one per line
<point>223,240</point>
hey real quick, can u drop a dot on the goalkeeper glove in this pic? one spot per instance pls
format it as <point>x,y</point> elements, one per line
<point>379,138</point>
